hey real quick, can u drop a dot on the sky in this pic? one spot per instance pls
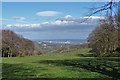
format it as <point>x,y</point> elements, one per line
<point>57,0</point>
<point>50,20</point>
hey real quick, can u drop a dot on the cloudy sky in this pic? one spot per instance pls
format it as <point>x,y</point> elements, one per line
<point>50,20</point>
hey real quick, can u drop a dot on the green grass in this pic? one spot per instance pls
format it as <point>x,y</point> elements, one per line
<point>69,64</point>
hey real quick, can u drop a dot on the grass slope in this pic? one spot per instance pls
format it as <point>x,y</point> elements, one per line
<point>68,64</point>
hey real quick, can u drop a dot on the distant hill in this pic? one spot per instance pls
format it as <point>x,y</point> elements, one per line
<point>15,45</point>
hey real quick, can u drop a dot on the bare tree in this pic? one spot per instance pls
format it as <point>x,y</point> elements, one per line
<point>104,39</point>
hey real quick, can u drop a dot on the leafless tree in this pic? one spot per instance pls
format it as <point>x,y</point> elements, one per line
<point>104,39</point>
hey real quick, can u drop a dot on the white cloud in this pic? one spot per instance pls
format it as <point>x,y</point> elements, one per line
<point>68,16</point>
<point>64,21</point>
<point>48,13</point>
<point>45,23</point>
<point>95,17</point>
<point>22,20</point>
<point>57,22</point>
<point>6,19</point>
<point>18,18</point>
<point>23,25</point>
<point>61,22</point>
<point>70,20</point>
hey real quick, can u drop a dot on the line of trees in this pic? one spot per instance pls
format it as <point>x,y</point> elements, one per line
<point>14,45</point>
<point>105,39</point>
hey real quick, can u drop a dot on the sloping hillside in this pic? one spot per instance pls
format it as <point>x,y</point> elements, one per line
<point>15,45</point>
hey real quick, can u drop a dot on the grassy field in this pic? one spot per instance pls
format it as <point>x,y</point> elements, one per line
<point>71,64</point>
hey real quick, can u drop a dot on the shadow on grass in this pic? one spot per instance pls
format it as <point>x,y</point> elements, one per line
<point>23,72</point>
<point>19,72</point>
<point>85,55</point>
<point>105,66</point>
<point>99,65</point>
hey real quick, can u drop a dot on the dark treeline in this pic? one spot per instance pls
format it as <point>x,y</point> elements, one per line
<point>105,39</point>
<point>15,45</point>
